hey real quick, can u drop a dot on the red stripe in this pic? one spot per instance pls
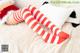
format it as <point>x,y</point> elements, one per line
<point>16,14</point>
<point>51,28</point>
<point>24,10</point>
<point>34,25</point>
<point>21,14</point>
<point>27,15</point>
<point>38,28</point>
<point>40,17</point>
<point>15,17</point>
<point>36,14</point>
<point>47,24</point>
<point>47,37</point>
<point>54,36</point>
<point>43,20</point>
<point>29,21</point>
<point>33,9</point>
<point>18,17</point>
<point>42,33</point>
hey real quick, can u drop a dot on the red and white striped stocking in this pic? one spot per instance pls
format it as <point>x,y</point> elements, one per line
<point>33,24</point>
<point>17,16</point>
<point>13,17</point>
<point>41,18</point>
<point>55,37</point>
<point>47,23</point>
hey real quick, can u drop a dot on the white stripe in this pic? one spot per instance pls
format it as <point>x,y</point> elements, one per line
<point>32,22</point>
<point>28,6</point>
<point>27,19</point>
<point>22,10</point>
<point>35,11</point>
<point>31,7</point>
<point>21,15</point>
<point>42,18</point>
<point>45,22</point>
<point>50,25</point>
<point>58,32</point>
<point>54,29</point>
<point>56,40</point>
<point>39,14</point>
<point>35,27</point>
<point>39,32</point>
<point>45,35</point>
<point>50,38</point>
<point>24,14</point>
<point>17,15</point>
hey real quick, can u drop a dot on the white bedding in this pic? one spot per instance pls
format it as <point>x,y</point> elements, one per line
<point>70,46</point>
<point>18,36</point>
<point>23,40</point>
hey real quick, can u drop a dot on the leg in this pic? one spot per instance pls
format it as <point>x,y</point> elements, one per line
<point>14,17</point>
<point>47,23</point>
<point>48,37</point>
<point>56,37</point>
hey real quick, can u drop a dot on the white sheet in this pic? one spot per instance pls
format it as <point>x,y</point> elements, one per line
<point>69,46</point>
<point>18,36</point>
<point>23,40</point>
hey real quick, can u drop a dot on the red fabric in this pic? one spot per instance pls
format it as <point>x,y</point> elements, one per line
<point>5,10</point>
<point>63,36</point>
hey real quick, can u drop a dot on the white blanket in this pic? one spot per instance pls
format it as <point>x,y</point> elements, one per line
<point>16,36</point>
<point>70,46</point>
<point>21,39</point>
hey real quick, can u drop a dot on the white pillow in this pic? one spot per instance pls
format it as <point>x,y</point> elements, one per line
<point>57,15</point>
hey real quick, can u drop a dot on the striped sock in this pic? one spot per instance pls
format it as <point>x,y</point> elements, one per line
<point>14,17</point>
<point>56,37</point>
<point>34,24</point>
<point>48,24</point>
<point>17,16</point>
<point>41,18</point>
<point>48,37</point>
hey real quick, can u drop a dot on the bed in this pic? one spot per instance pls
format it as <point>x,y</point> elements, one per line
<point>70,46</point>
<point>21,39</point>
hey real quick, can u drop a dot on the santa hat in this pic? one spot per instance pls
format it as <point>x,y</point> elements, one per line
<point>5,6</point>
